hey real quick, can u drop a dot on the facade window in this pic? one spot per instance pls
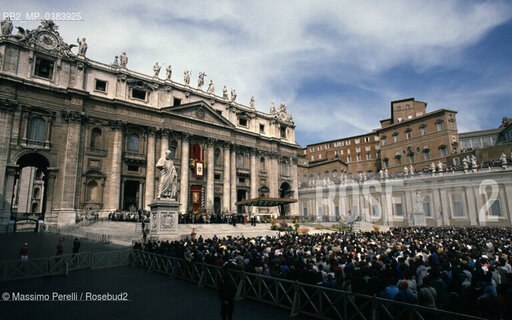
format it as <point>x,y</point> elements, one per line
<point>427,154</point>
<point>495,208</point>
<point>423,131</point>
<point>395,138</point>
<point>96,138</point>
<point>176,102</point>
<point>100,85</point>
<point>366,139</point>
<point>216,156</point>
<point>37,129</point>
<point>139,94</point>
<point>341,152</point>
<point>305,211</point>
<point>407,107</point>
<point>349,159</point>
<point>240,160</point>
<point>319,157</point>
<point>242,122</point>
<point>283,132</point>
<point>458,209</point>
<point>408,134</point>
<point>133,168</point>
<point>133,143</point>
<point>368,156</point>
<point>443,151</point>
<point>348,142</point>
<point>367,148</point>
<point>386,163</point>
<point>348,151</point>
<point>399,210</point>
<point>383,141</point>
<point>44,68</point>
<point>452,125</point>
<point>319,148</point>
<point>439,126</point>
<point>358,149</point>
<point>356,141</point>
<point>377,155</point>
<point>398,108</point>
<point>426,209</point>
<point>262,164</point>
<point>284,169</point>
<point>262,128</point>
<point>312,149</point>
<point>312,158</point>
<point>336,153</point>
<point>358,157</point>
<point>411,158</point>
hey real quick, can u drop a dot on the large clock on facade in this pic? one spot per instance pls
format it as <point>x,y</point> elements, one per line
<point>47,40</point>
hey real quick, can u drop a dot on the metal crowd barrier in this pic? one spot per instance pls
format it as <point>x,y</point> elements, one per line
<point>59,265</point>
<point>299,298</point>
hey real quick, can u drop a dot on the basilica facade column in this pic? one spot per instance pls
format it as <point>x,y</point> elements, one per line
<point>226,194</point>
<point>254,176</point>
<point>210,177</point>
<point>150,169</point>
<point>233,179</point>
<point>68,206</point>
<point>185,158</point>
<point>164,141</point>
<point>117,127</point>
<point>294,207</point>
<point>7,110</point>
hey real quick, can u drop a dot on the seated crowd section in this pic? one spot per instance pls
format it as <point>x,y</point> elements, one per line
<point>460,269</point>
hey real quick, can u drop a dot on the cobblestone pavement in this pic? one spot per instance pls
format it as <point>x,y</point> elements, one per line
<point>150,295</point>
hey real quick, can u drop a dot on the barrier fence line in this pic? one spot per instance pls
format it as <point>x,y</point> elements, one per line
<point>59,265</point>
<point>299,298</point>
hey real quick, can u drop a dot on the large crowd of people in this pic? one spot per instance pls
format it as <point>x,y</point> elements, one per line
<point>460,269</point>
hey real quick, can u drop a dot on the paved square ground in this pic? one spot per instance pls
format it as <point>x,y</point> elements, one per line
<point>151,295</point>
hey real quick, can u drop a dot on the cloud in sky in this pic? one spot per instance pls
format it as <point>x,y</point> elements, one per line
<point>337,64</point>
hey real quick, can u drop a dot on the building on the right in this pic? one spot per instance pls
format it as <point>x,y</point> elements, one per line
<point>413,136</point>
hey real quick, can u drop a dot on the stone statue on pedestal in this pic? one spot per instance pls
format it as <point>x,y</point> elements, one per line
<point>233,95</point>
<point>272,108</point>
<point>211,87</point>
<point>156,70</point>
<point>225,93</point>
<point>6,27</point>
<point>503,159</point>
<point>440,166</point>
<point>186,77</point>
<point>168,177</point>
<point>419,202</point>
<point>433,167</point>
<point>411,170</point>
<point>168,71</point>
<point>251,103</point>
<point>82,46</point>
<point>200,80</point>
<point>123,60</point>
<point>406,171</point>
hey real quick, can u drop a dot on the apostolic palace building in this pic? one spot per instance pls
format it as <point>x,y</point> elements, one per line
<point>94,131</point>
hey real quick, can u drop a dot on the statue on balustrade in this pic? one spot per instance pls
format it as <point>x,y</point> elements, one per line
<point>168,177</point>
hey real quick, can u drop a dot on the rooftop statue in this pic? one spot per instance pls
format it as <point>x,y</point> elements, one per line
<point>233,95</point>
<point>211,87</point>
<point>225,93</point>
<point>168,72</point>
<point>82,46</point>
<point>156,70</point>
<point>186,77</point>
<point>6,27</point>
<point>123,60</point>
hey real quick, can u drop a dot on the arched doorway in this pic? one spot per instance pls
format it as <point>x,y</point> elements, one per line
<point>30,189</point>
<point>285,191</point>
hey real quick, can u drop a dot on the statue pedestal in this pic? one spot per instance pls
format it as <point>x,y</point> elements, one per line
<point>419,219</point>
<point>164,219</point>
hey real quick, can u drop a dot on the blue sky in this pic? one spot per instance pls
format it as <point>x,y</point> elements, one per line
<point>336,64</point>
